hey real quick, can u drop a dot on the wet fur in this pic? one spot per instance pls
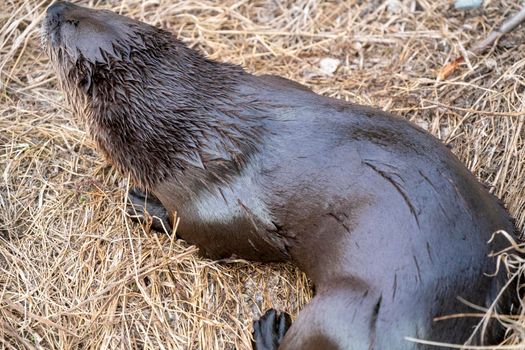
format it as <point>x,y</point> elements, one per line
<point>383,218</point>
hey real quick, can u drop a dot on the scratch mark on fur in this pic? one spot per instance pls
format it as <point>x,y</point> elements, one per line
<point>251,216</point>
<point>417,268</point>
<point>340,221</point>
<point>394,287</point>
<point>399,189</point>
<point>373,323</point>
<point>437,192</point>
<point>429,253</point>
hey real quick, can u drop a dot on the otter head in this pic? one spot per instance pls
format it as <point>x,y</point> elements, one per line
<point>147,100</point>
<point>82,43</point>
<point>81,32</point>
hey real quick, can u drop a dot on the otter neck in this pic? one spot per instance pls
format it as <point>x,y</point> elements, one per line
<point>175,115</point>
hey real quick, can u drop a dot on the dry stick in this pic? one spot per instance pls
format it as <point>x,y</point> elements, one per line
<point>482,45</point>
<point>506,27</point>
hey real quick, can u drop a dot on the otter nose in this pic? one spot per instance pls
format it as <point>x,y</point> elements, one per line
<point>56,10</point>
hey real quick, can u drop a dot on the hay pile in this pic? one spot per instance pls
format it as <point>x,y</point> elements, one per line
<point>75,274</point>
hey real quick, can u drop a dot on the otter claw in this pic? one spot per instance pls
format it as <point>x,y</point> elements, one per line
<point>269,330</point>
<point>147,209</point>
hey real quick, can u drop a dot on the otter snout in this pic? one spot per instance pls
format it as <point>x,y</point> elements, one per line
<point>51,28</point>
<point>77,31</point>
<point>55,11</point>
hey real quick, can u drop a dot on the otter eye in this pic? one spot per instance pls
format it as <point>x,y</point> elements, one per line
<point>85,82</point>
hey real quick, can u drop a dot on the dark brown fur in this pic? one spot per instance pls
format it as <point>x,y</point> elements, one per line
<point>383,218</point>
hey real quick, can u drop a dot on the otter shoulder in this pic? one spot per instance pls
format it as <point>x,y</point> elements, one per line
<point>280,82</point>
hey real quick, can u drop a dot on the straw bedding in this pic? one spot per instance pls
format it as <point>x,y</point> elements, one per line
<point>76,274</point>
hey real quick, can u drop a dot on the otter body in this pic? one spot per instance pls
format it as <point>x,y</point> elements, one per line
<point>388,224</point>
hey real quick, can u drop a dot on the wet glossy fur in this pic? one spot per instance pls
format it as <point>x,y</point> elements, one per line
<point>383,218</point>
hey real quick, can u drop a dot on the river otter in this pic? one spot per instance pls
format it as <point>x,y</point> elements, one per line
<point>388,224</point>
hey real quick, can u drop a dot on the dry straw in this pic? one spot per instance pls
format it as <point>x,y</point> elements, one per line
<point>75,274</point>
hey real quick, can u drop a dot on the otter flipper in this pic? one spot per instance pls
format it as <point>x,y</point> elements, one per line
<point>147,209</point>
<point>269,330</point>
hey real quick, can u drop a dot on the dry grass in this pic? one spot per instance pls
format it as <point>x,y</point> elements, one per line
<point>74,273</point>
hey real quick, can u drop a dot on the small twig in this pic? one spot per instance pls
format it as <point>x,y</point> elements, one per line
<point>506,27</point>
<point>482,45</point>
